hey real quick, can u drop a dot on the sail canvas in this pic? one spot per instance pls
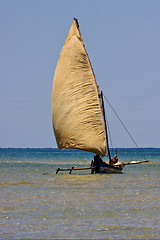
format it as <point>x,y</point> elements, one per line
<point>77,114</point>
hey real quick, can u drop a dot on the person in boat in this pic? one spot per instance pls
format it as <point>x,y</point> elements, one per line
<point>96,162</point>
<point>114,160</point>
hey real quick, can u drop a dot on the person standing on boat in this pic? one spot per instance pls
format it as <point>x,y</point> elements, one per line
<point>96,162</point>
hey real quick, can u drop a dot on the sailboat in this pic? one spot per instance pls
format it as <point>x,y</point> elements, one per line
<point>78,113</point>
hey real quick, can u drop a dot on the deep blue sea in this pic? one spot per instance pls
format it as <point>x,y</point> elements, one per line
<point>35,203</point>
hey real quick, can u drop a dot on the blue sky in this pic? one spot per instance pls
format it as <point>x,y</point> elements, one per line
<point>123,42</point>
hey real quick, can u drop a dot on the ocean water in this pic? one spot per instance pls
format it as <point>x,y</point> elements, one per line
<point>35,203</point>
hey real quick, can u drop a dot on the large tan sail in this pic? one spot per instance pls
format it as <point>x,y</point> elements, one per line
<point>76,108</point>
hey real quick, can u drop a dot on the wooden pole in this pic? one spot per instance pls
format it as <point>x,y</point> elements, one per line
<point>71,169</point>
<point>109,155</point>
<point>134,162</point>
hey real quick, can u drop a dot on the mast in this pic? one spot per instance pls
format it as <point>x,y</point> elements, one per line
<point>109,155</point>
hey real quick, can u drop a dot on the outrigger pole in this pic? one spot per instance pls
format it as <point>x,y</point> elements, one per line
<point>71,169</point>
<point>109,155</point>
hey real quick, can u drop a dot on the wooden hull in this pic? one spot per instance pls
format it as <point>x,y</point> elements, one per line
<point>110,169</point>
<point>106,168</point>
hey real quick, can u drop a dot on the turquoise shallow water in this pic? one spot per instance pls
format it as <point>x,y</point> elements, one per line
<point>35,203</point>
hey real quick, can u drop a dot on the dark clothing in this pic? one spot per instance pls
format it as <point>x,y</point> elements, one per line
<point>96,163</point>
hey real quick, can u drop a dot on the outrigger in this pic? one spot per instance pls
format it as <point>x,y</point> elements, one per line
<point>104,168</point>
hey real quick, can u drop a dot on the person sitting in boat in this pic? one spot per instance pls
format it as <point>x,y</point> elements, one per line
<point>114,160</point>
<point>96,162</point>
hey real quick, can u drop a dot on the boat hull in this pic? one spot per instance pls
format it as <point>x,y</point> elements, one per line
<point>107,168</point>
<point>110,169</point>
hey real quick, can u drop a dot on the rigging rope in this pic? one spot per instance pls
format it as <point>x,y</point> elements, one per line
<point>121,121</point>
<point>125,127</point>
